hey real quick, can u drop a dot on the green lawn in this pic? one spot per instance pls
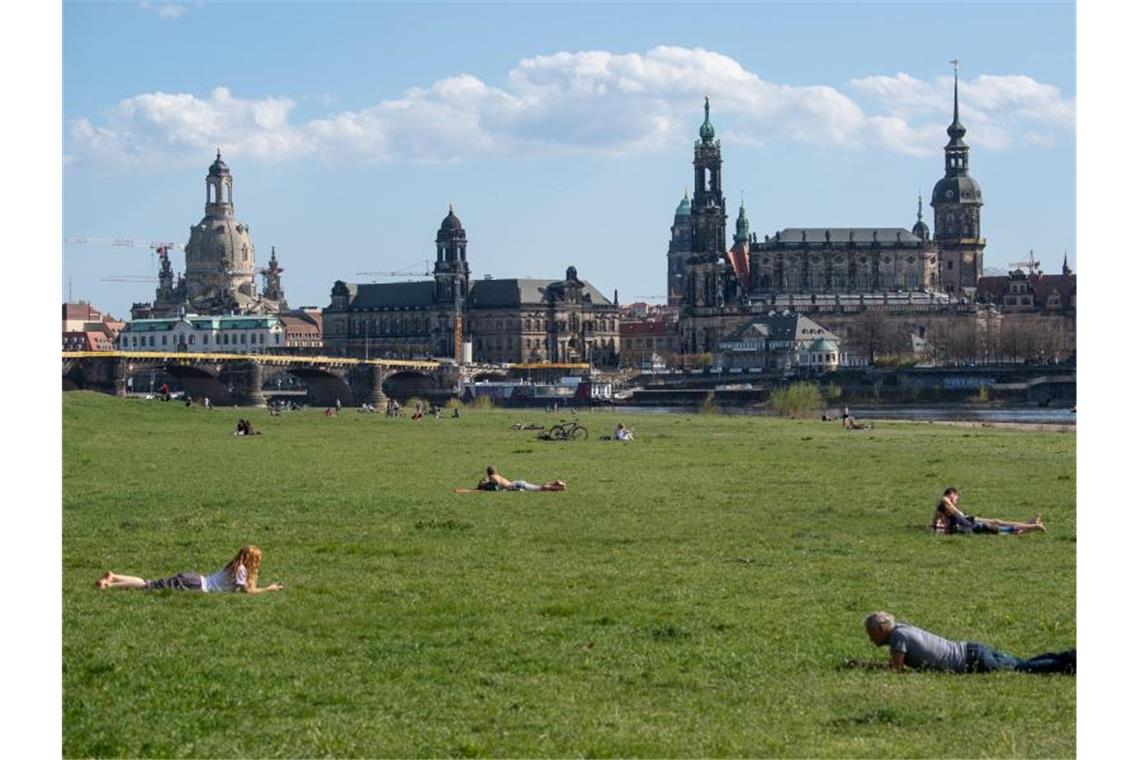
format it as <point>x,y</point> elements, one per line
<point>693,593</point>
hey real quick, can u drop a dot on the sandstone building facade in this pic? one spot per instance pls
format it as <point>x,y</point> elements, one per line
<point>503,320</point>
<point>832,273</point>
<point>220,267</point>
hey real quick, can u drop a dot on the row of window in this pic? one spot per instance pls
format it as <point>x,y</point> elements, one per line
<point>817,281</point>
<point>539,324</point>
<point>389,325</point>
<point>419,325</point>
<point>144,341</point>
<point>840,258</point>
<point>510,343</point>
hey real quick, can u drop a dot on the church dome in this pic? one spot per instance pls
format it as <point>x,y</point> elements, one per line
<point>684,208</point>
<point>920,230</point>
<point>219,168</point>
<point>959,189</point>
<point>450,223</point>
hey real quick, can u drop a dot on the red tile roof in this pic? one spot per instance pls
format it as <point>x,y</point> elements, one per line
<point>738,259</point>
<point>1040,286</point>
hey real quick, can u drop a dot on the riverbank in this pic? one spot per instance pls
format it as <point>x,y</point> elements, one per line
<point>966,415</point>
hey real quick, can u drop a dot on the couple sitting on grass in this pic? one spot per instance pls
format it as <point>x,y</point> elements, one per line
<point>912,647</point>
<point>496,482</point>
<point>949,519</point>
<point>240,574</point>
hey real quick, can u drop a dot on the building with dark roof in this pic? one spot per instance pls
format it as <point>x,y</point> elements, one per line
<point>1021,291</point>
<point>503,320</point>
<point>784,342</point>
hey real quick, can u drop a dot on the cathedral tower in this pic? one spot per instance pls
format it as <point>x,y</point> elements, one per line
<point>708,215</point>
<point>957,202</point>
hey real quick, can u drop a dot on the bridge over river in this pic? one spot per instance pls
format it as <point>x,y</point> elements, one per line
<point>241,379</point>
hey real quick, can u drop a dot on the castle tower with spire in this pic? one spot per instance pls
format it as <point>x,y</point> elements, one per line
<point>957,202</point>
<point>680,249</point>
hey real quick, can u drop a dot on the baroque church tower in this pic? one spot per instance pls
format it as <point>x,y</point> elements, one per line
<point>957,202</point>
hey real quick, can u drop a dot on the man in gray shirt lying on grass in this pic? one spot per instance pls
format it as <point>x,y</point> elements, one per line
<point>912,647</point>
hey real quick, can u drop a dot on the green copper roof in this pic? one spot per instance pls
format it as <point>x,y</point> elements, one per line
<point>707,131</point>
<point>741,224</point>
<point>821,344</point>
<point>684,208</point>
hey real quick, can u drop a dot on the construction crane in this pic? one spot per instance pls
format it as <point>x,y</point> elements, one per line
<point>1030,264</point>
<point>159,247</point>
<point>124,243</point>
<point>405,272</point>
<point>128,278</point>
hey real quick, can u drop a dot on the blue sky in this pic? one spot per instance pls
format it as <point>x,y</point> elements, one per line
<point>562,133</point>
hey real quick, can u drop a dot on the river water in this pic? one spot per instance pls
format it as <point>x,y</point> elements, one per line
<point>1025,415</point>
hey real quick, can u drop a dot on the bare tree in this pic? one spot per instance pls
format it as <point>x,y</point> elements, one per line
<point>869,334</point>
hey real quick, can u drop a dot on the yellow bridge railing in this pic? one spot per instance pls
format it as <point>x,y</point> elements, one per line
<point>186,357</point>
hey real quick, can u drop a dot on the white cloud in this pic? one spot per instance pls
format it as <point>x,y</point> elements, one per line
<point>997,111</point>
<point>162,127</point>
<point>166,10</point>
<point>592,101</point>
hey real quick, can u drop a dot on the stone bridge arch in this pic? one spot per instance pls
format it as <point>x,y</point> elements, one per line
<point>200,382</point>
<point>324,386</point>
<point>403,384</point>
<point>491,376</point>
<point>240,381</point>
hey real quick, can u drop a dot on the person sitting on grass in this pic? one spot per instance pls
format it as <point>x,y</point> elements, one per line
<point>949,519</point>
<point>496,482</point>
<point>912,647</point>
<point>240,574</point>
<point>622,433</point>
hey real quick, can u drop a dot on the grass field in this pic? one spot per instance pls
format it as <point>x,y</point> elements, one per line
<point>694,592</point>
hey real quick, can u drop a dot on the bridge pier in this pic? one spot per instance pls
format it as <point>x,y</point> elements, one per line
<point>119,379</point>
<point>247,385</point>
<point>368,385</point>
<point>103,376</point>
